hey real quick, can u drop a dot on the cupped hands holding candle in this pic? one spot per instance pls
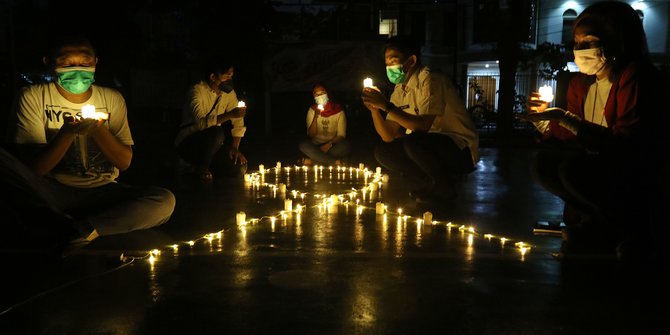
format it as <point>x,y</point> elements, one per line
<point>85,122</point>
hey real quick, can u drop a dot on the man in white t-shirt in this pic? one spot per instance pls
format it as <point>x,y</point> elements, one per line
<point>426,132</point>
<point>74,138</point>
<point>201,140</point>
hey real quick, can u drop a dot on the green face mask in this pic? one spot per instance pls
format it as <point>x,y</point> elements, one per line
<point>395,73</point>
<point>76,79</point>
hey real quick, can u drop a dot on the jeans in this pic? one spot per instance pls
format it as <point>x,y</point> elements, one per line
<point>340,150</point>
<point>111,209</point>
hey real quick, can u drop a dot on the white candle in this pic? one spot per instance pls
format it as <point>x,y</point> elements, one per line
<point>278,166</point>
<point>261,168</point>
<point>320,107</point>
<point>546,93</point>
<point>241,218</point>
<point>428,218</point>
<point>241,104</point>
<point>288,205</point>
<point>385,178</point>
<point>334,199</point>
<point>367,82</point>
<point>380,208</point>
<point>373,186</point>
<point>282,188</point>
<point>361,166</point>
<point>378,171</point>
<point>88,112</point>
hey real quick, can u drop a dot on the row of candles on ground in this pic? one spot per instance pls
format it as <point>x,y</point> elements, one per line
<point>319,168</point>
<point>331,202</point>
<point>377,179</point>
<point>380,209</point>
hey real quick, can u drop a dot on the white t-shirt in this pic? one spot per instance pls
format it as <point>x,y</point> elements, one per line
<point>196,115</point>
<point>328,127</point>
<point>431,93</point>
<point>40,114</point>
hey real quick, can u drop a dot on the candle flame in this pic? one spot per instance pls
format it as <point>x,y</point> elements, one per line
<point>546,93</point>
<point>367,82</point>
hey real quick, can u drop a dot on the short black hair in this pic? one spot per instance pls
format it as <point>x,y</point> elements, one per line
<point>56,45</point>
<point>217,64</point>
<point>406,45</point>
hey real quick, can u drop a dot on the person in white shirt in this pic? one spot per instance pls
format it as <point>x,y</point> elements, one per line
<point>71,139</point>
<point>201,140</point>
<point>326,129</point>
<point>425,127</point>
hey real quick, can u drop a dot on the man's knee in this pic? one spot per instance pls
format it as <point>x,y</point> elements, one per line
<point>162,204</point>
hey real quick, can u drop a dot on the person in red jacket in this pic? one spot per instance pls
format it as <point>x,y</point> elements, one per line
<point>610,135</point>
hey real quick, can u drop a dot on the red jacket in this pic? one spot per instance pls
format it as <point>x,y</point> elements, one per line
<point>634,111</point>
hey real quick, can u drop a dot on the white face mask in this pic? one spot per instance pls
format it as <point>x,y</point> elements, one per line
<point>590,61</point>
<point>321,99</point>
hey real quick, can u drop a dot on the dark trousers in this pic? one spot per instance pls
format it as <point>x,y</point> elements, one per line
<point>434,158</point>
<point>597,190</point>
<point>207,150</point>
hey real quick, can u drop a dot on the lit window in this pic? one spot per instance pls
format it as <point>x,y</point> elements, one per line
<point>388,27</point>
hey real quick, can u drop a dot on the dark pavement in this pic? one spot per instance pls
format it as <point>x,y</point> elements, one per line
<point>347,271</point>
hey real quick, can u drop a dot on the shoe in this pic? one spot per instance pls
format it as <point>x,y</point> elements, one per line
<point>78,243</point>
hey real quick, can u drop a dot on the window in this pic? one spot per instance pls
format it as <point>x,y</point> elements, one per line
<point>388,27</point>
<point>569,17</point>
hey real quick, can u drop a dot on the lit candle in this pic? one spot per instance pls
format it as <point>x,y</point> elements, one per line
<point>385,178</point>
<point>241,218</point>
<point>373,186</point>
<point>261,168</point>
<point>428,218</point>
<point>278,166</point>
<point>546,93</point>
<point>288,205</point>
<point>378,171</point>
<point>88,112</point>
<point>380,208</point>
<point>361,166</point>
<point>367,82</point>
<point>334,199</point>
<point>282,188</point>
<point>320,107</point>
<point>241,104</point>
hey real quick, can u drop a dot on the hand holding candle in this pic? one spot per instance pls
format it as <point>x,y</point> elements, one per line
<point>240,111</point>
